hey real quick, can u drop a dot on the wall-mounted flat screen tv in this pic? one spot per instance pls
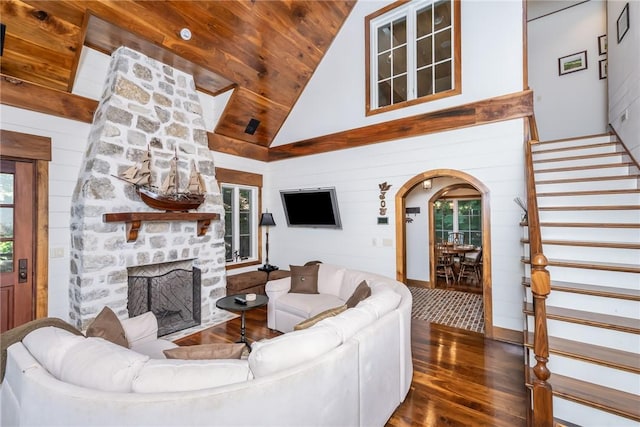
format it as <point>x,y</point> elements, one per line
<point>313,207</point>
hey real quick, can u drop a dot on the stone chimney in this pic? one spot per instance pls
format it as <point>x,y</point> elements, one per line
<point>145,105</point>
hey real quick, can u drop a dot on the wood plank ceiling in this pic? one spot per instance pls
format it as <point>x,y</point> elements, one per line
<point>265,50</point>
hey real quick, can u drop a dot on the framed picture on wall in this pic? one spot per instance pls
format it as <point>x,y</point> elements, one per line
<point>622,24</point>
<point>602,45</point>
<point>572,63</point>
<point>603,69</point>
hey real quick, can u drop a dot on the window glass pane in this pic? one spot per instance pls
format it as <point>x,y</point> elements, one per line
<point>443,77</point>
<point>399,60</point>
<point>470,221</point>
<point>424,23</point>
<point>384,38</point>
<point>228,248</point>
<point>442,16</point>
<point>245,246</point>
<point>424,52</point>
<point>245,200</point>
<point>6,257</point>
<point>425,81</point>
<point>400,89</point>
<point>384,66</point>
<point>443,213</point>
<point>6,188</point>
<point>399,32</point>
<point>245,223</point>
<point>384,93</point>
<point>442,45</point>
<point>6,223</point>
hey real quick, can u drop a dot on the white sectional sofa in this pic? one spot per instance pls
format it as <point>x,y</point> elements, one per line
<point>351,369</point>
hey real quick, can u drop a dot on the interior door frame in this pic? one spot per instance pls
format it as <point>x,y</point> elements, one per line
<point>37,149</point>
<point>401,249</point>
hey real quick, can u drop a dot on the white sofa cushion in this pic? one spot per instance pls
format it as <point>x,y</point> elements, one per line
<point>350,282</point>
<point>139,329</point>
<point>102,365</point>
<point>171,375</point>
<point>330,279</point>
<point>50,346</point>
<point>154,349</point>
<point>349,322</point>
<point>380,303</point>
<point>306,305</point>
<point>291,349</point>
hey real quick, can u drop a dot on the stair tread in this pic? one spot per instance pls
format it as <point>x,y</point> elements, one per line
<point>589,224</point>
<point>570,158</point>
<point>592,353</point>
<point>588,289</point>
<point>590,208</point>
<point>588,179</point>
<point>589,193</point>
<point>591,265</point>
<point>573,138</point>
<point>606,321</point>
<point>591,244</point>
<point>604,398</point>
<point>584,167</point>
<point>574,147</point>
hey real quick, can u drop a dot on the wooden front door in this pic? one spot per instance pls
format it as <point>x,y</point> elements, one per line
<point>17,193</point>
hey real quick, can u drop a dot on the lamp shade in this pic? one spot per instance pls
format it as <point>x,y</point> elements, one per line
<point>266,219</point>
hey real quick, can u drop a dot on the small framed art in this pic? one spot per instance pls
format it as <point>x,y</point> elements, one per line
<point>572,63</point>
<point>622,24</point>
<point>602,69</point>
<point>602,45</point>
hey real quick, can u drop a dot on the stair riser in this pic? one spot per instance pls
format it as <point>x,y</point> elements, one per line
<point>591,234</point>
<point>593,373</point>
<point>594,304</point>
<point>572,143</point>
<point>622,341</point>
<point>628,183</point>
<point>572,163</point>
<point>592,254</point>
<point>590,200</point>
<point>629,216</point>
<point>578,151</point>
<point>591,277</point>
<point>587,416</point>
<point>583,173</point>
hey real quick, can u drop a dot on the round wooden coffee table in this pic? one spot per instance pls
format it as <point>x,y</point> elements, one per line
<point>229,303</point>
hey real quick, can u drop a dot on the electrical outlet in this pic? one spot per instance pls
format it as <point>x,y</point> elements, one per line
<point>625,115</point>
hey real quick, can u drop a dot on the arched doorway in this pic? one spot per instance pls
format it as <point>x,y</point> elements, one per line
<point>401,238</point>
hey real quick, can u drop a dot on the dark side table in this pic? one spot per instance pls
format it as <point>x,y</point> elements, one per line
<point>229,303</point>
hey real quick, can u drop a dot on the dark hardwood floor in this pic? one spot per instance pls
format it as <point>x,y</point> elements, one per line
<point>460,378</point>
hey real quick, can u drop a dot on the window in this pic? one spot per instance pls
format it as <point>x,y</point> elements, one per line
<point>463,215</point>
<point>241,229</point>
<point>414,54</point>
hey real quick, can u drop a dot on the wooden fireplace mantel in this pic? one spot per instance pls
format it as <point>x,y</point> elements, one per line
<point>134,220</point>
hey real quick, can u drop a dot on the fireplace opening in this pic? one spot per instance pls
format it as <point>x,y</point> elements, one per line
<point>173,297</point>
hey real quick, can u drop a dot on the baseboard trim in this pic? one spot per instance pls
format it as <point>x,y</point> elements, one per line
<point>419,283</point>
<point>508,335</point>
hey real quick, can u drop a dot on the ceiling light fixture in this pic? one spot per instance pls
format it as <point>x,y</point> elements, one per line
<point>185,34</point>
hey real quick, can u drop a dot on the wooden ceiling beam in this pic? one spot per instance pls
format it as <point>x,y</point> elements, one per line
<point>491,110</point>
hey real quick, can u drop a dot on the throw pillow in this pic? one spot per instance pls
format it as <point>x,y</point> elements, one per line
<point>318,317</point>
<point>107,325</point>
<point>206,351</point>
<point>304,280</point>
<point>361,292</point>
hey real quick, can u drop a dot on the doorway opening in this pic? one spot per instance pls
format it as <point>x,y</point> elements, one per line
<point>417,235</point>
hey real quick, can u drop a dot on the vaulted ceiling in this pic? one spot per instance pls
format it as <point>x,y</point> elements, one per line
<point>265,50</point>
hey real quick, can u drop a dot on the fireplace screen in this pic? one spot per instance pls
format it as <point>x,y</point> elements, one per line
<point>173,297</point>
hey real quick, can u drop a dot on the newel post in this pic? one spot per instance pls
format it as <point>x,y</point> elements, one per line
<point>542,392</point>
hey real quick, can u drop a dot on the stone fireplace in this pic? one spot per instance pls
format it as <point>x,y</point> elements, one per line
<point>145,105</point>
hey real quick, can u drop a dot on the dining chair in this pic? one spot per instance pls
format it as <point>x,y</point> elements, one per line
<point>471,267</point>
<point>456,238</point>
<point>444,264</point>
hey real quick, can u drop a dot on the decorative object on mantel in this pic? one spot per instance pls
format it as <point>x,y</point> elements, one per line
<point>168,197</point>
<point>384,187</point>
<point>523,206</point>
<point>134,220</point>
<point>266,220</point>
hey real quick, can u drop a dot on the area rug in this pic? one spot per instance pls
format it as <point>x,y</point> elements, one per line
<point>450,308</point>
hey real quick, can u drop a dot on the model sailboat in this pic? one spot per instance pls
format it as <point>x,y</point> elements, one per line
<point>168,197</point>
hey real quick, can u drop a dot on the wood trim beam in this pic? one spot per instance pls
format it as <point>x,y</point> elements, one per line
<point>21,94</point>
<point>235,147</point>
<point>232,176</point>
<point>507,107</point>
<point>15,144</point>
